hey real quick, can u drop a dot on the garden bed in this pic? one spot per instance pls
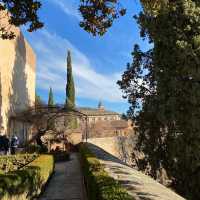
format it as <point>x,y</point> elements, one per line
<point>27,182</point>
<point>99,185</point>
<point>14,162</point>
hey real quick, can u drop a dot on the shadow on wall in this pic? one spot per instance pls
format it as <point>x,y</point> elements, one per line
<point>19,98</point>
<point>120,146</point>
<point>104,155</point>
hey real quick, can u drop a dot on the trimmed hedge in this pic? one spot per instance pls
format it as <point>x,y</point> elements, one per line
<point>15,162</point>
<point>99,185</point>
<point>28,182</point>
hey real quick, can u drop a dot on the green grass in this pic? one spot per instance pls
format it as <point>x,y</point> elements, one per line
<point>99,185</point>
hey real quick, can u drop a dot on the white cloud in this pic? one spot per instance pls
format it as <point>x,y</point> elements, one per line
<point>68,7</point>
<point>51,69</point>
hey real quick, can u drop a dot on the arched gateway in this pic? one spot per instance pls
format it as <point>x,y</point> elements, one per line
<point>40,119</point>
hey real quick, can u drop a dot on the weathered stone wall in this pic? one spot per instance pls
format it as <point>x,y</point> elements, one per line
<point>94,119</point>
<point>120,147</point>
<point>17,78</point>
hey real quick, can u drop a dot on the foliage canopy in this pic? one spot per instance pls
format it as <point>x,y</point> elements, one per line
<point>162,86</point>
<point>21,12</point>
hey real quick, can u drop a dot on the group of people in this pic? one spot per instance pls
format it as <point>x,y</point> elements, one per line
<point>7,146</point>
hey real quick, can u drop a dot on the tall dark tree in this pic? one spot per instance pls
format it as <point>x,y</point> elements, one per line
<point>70,89</point>
<point>51,122</point>
<point>51,99</point>
<point>162,86</point>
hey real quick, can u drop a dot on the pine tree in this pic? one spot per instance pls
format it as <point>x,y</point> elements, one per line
<point>70,89</point>
<point>51,99</point>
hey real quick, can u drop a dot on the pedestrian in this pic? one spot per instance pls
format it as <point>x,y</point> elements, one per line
<point>14,144</point>
<point>6,144</point>
<point>2,145</point>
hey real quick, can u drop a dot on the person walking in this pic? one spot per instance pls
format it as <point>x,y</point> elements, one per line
<point>2,145</point>
<point>6,144</point>
<point>14,144</point>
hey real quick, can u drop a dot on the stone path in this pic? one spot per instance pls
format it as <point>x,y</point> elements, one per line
<point>138,185</point>
<point>67,182</point>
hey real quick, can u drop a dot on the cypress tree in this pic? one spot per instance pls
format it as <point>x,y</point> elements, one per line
<point>70,89</point>
<point>38,100</point>
<point>50,100</point>
<point>51,122</point>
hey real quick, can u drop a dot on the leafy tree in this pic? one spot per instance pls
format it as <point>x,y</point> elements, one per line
<point>97,15</point>
<point>21,12</point>
<point>162,86</point>
<point>51,99</point>
<point>70,89</point>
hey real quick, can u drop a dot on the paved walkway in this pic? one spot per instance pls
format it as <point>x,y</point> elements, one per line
<point>67,182</point>
<point>138,185</point>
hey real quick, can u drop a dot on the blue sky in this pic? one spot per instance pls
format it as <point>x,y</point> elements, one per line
<point>98,62</point>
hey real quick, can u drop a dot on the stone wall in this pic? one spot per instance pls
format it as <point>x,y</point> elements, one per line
<point>94,119</point>
<point>120,147</point>
<point>17,79</point>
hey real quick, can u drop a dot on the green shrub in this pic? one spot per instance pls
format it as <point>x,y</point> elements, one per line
<point>34,148</point>
<point>99,185</point>
<point>15,162</point>
<point>28,182</point>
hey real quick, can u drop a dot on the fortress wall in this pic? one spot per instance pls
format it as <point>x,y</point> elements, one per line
<point>120,147</point>
<point>17,76</point>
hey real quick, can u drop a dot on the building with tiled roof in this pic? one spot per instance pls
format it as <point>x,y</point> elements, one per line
<point>99,114</point>
<point>105,123</point>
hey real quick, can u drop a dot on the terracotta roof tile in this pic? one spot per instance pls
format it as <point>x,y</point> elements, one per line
<point>96,112</point>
